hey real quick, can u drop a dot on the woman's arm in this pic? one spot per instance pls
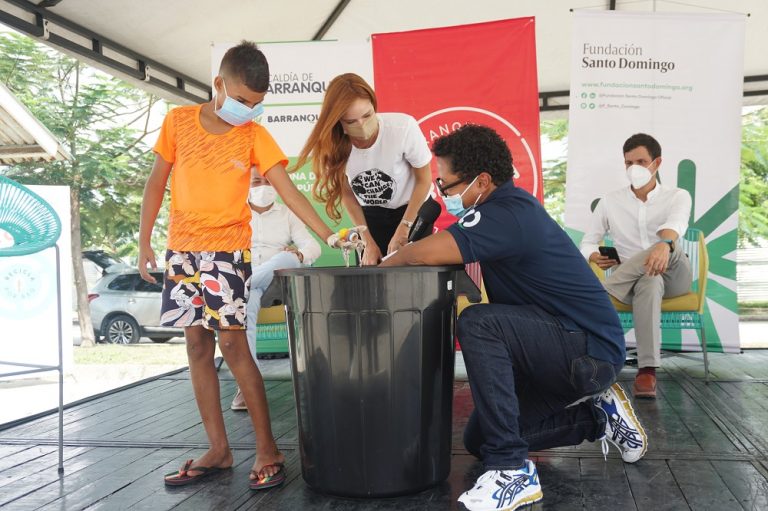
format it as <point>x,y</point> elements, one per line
<point>372,254</point>
<point>435,250</point>
<point>423,177</point>
<point>295,200</point>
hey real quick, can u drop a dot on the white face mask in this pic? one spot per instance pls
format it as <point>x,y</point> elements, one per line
<point>639,176</point>
<point>262,196</point>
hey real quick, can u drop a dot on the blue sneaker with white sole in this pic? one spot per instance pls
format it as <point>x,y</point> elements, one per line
<point>622,428</point>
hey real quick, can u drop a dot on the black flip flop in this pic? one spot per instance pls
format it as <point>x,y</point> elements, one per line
<point>182,477</point>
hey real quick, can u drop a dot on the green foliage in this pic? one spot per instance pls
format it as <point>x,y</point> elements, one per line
<point>753,185</point>
<point>102,121</point>
<point>553,170</point>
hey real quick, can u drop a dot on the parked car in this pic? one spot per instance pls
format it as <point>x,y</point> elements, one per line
<point>96,264</point>
<point>125,307</point>
<point>109,263</point>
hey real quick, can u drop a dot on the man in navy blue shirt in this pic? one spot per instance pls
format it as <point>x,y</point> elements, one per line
<point>549,336</point>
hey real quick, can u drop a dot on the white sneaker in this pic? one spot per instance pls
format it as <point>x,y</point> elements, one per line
<point>622,427</point>
<point>504,490</point>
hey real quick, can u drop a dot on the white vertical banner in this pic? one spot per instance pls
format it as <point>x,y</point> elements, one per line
<point>679,78</point>
<point>299,75</point>
<point>28,302</point>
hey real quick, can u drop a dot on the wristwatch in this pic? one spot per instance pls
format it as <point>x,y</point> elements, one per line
<point>406,223</point>
<point>671,244</point>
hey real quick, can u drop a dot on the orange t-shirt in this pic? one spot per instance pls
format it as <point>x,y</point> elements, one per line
<point>210,179</point>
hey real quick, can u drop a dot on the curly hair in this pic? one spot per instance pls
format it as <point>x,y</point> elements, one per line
<point>473,149</point>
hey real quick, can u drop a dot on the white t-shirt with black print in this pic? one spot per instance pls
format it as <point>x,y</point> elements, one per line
<point>381,175</point>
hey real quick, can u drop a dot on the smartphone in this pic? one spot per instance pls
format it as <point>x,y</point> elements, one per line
<point>610,252</point>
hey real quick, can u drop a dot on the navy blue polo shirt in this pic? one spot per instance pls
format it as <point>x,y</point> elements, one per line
<point>527,259</point>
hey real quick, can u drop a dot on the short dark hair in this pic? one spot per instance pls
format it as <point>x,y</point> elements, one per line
<point>643,140</point>
<point>473,149</point>
<point>247,63</point>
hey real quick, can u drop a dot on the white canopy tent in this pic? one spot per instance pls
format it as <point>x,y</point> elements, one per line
<point>22,137</point>
<point>165,46</point>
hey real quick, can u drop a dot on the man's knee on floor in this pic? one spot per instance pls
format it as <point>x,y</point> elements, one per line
<point>472,443</point>
<point>473,436</point>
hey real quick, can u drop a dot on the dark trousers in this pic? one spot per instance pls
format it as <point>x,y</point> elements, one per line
<point>383,222</point>
<point>524,371</point>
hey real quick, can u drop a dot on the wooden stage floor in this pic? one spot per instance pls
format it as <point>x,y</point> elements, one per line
<point>708,449</point>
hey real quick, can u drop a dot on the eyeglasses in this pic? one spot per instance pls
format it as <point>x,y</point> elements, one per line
<point>444,188</point>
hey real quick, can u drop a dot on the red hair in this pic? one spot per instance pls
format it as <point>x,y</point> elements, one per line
<point>328,146</point>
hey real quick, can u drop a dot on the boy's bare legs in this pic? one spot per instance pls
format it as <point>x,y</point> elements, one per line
<point>234,348</point>
<point>201,346</point>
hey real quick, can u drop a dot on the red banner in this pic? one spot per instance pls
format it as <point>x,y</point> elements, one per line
<point>481,74</point>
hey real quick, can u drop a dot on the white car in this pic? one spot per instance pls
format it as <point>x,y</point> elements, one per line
<point>125,307</point>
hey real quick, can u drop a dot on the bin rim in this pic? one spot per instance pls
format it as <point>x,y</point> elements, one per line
<point>364,270</point>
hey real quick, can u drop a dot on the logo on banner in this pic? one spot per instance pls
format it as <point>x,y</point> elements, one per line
<point>24,287</point>
<point>447,120</point>
<point>374,187</point>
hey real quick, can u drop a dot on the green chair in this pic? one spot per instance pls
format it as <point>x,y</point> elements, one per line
<point>34,227</point>
<point>681,312</point>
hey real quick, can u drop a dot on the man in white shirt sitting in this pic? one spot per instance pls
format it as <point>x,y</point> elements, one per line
<point>645,220</point>
<point>279,240</point>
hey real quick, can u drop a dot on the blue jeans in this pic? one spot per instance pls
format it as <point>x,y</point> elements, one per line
<point>525,369</point>
<point>261,278</point>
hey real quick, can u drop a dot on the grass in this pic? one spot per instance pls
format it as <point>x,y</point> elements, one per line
<point>753,309</point>
<point>134,354</point>
<point>753,305</point>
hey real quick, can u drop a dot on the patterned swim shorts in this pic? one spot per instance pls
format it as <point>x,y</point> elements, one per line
<point>206,288</point>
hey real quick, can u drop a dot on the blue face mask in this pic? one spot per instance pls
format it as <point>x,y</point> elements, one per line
<point>236,113</point>
<point>454,204</point>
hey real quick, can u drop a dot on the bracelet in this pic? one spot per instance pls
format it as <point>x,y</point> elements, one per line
<point>406,223</point>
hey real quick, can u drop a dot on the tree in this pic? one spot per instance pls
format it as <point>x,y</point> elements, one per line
<point>103,122</point>
<point>553,170</point>
<point>753,186</point>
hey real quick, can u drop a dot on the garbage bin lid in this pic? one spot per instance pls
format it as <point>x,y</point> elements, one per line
<point>365,270</point>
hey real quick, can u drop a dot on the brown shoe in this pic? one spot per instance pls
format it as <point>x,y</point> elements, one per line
<point>645,386</point>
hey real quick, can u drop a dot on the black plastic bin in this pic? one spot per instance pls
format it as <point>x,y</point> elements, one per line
<point>372,355</point>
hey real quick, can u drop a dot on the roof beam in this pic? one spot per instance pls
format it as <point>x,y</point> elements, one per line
<point>561,99</point>
<point>63,34</point>
<point>331,19</point>
<point>756,85</point>
<point>22,151</point>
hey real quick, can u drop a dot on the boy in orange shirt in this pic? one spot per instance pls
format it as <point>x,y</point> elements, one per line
<point>211,148</point>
